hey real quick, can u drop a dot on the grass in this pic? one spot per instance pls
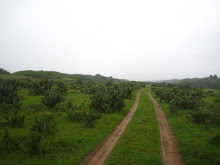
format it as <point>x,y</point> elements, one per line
<point>140,143</point>
<point>71,142</point>
<point>194,140</point>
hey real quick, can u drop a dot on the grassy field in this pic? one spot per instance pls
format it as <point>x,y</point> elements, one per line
<point>194,140</point>
<point>140,143</point>
<point>71,141</point>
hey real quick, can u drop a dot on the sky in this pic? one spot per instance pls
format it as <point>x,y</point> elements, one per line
<point>134,40</point>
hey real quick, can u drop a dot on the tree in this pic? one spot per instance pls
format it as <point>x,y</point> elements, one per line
<point>52,98</point>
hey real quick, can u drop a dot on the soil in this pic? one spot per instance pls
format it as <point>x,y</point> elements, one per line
<point>170,150</point>
<point>101,153</point>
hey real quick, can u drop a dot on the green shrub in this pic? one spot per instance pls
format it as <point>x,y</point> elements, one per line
<point>108,100</point>
<point>61,87</point>
<point>91,117</point>
<point>44,124</point>
<point>33,142</point>
<point>7,143</point>
<point>14,119</point>
<point>79,114</point>
<point>8,95</point>
<point>52,98</point>
<point>75,115</point>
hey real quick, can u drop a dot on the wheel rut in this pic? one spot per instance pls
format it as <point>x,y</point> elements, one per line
<point>170,150</point>
<point>101,153</point>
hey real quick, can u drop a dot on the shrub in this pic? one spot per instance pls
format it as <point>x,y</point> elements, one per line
<point>61,87</point>
<point>75,115</point>
<point>81,115</point>
<point>52,98</point>
<point>33,142</point>
<point>14,119</point>
<point>108,100</point>
<point>8,144</point>
<point>8,95</point>
<point>40,87</point>
<point>44,124</point>
<point>91,117</point>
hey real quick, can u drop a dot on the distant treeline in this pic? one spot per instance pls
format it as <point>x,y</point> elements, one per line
<point>211,82</point>
<point>58,75</point>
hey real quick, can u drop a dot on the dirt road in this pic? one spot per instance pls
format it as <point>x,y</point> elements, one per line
<point>170,151</point>
<point>101,153</point>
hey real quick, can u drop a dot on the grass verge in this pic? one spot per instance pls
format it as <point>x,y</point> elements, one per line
<point>140,143</point>
<point>71,142</point>
<point>194,140</point>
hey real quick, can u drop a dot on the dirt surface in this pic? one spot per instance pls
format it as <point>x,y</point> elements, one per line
<point>170,151</point>
<point>101,153</point>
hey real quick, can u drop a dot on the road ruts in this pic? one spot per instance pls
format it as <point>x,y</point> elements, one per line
<point>170,150</point>
<point>101,153</point>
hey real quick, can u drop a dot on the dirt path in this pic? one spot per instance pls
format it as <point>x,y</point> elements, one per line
<point>101,153</point>
<point>170,151</point>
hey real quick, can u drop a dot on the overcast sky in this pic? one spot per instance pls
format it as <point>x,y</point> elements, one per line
<point>135,40</point>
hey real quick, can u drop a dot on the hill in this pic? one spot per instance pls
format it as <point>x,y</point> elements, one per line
<point>211,82</point>
<point>64,76</point>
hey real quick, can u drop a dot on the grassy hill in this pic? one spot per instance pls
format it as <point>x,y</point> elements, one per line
<point>54,75</point>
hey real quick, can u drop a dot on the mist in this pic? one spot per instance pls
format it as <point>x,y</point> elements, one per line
<point>134,40</point>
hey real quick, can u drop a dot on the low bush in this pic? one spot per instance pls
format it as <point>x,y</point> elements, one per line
<point>91,117</point>
<point>14,119</point>
<point>52,98</point>
<point>75,115</point>
<point>33,142</point>
<point>8,143</point>
<point>44,124</point>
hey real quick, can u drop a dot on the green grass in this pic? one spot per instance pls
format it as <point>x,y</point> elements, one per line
<point>71,142</point>
<point>140,143</point>
<point>194,140</point>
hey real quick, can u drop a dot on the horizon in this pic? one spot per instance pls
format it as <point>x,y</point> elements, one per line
<point>114,77</point>
<point>138,41</point>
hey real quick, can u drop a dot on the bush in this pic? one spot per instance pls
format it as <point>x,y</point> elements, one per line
<point>79,114</point>
<point>40,87</point>
<point>75,115</point>
<point>8,95</point>
<point>91,117</point>
<point>181,97</point>
<point>108,100</point>
<point>33,142</point>
<point>8,144</point>
<point>52,98</point>
<point>13,119</point>
<point>61,87</point>
<point>44,124</point>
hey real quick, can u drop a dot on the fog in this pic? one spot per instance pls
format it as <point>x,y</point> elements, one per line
<point>135,40</point>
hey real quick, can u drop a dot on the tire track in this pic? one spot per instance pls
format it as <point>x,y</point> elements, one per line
<point>101,153</point>
<point>170,150</point>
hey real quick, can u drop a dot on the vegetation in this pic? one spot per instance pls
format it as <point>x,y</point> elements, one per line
<point>2,71</point>
<point>55,118</point>
<point>140,143</point>
<point>194,116</point>
<point>63,76</point>
<point>211,82</point>
<point>44,120</point>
